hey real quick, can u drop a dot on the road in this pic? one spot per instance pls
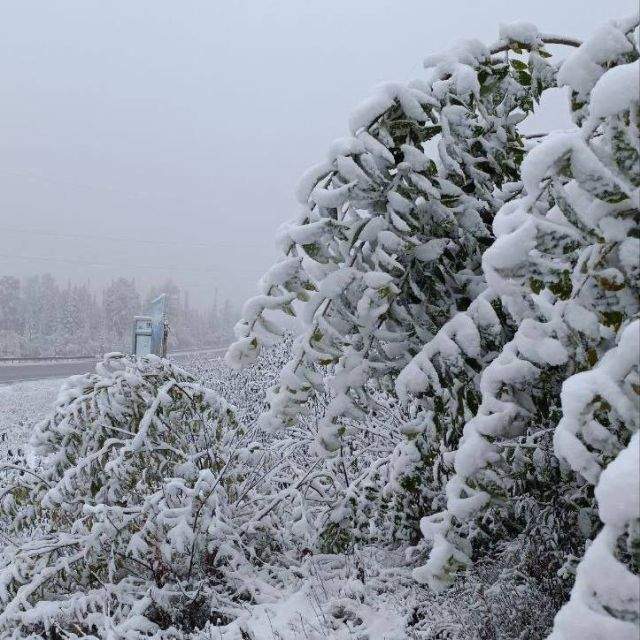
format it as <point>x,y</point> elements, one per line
<point>23,371</point>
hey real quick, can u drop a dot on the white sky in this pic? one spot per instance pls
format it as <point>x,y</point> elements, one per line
<point>188,123</point>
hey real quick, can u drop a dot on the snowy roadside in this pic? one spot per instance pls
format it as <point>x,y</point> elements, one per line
<point>365,594</point>
<point>12,362</point>
<point>21,406</point>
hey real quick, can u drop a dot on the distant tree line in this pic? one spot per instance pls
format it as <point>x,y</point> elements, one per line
<point>40,317</point>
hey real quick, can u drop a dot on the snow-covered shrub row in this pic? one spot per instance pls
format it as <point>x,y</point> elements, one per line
<point>492,284</point>
<point>350,500</point>
<point>285,582</point>
<point>128,525</point>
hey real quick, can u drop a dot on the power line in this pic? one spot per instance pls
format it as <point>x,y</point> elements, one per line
<point>35,176</point>
<point>177,243</point>
<point>107,265</point>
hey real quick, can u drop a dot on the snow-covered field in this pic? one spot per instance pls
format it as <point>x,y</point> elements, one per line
<point>21,406</point>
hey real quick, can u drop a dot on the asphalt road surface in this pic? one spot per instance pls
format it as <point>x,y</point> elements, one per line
<point>23,371</point>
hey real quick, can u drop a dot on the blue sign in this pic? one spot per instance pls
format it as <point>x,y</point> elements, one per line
<point>142,334</point>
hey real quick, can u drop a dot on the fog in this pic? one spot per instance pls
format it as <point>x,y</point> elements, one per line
<point>151,138</point>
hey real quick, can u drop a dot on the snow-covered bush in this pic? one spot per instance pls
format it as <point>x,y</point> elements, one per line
<point>605,601</point>
<point>387,248</point>
<point>349,501</point>
<point>490,283</point>
<point>388,244</point>
<point>124,527</point>
<point>565,263</point>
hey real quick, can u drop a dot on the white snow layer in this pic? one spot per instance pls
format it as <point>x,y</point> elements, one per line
<point>583,67</point>
<point>605,591</point>
<point>580,391</point>
<point>616,90</point>
<point>618,492</point>
<point>523,32</point>
<point>409,98</point>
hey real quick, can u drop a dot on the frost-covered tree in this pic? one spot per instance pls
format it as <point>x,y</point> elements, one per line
<point>10,311</point>
<point>429,262</point>
<point>48,320</point>
<point>120,302</point>
<point>386,249</point>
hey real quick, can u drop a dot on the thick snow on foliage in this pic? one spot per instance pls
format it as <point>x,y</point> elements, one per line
<point>616,90</point>
<point>605,601</point>
<point>559,265</point>
<point>519,31</point>
<point>611,381</point>
<point>389,242</point>
<point>583,68</point>
<point>492,291</point>
<point>130,493</point>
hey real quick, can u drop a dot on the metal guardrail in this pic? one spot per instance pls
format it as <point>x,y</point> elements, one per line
<point>19,360</point>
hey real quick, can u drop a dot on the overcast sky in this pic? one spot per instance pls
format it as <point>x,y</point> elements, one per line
<point>155,138</point>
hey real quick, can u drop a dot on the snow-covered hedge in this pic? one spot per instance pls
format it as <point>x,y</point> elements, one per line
<point>122,528</point>
<point>564,263</point>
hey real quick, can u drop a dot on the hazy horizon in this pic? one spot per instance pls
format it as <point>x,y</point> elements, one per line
<point>149,141</point>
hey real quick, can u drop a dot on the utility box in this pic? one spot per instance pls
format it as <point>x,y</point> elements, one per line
<point>142,335</point>
<point>150,332</point>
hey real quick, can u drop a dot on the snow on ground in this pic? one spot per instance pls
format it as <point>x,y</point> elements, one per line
<point>339,597</point>
<point>21,406</point>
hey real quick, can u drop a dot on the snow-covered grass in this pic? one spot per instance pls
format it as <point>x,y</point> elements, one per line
<point>21,406</point>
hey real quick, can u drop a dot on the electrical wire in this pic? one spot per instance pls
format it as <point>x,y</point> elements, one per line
<point>173,243</point>
<point>107,265</point>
